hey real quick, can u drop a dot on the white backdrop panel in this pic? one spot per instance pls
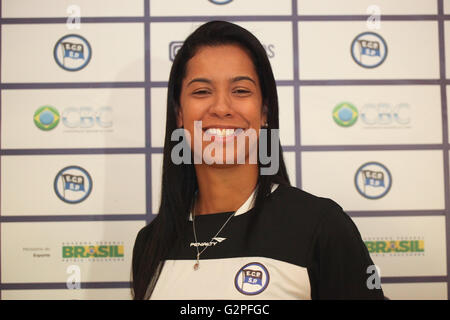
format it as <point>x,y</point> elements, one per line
<point>360,7</point>
<point>21,262</point>
<point>27,184</point>
<point>414,173</point>
<point>386,115</point>
<point>59,8</point>
<point>323,55</point>
<point>89,118</point>
<point>115,55</point>
<point>425,258</point>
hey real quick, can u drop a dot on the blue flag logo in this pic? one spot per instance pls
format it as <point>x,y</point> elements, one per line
<point>373,178</point>
<point>73,50</point>
<point>370,48</point>
<point>252,279</point>
<point>73,182</point>
<point>252,276</point>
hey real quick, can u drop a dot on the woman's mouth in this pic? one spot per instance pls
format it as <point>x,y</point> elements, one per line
<point>222,134</point>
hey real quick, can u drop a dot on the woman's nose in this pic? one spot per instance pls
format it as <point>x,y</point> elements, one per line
<point>221,106</point>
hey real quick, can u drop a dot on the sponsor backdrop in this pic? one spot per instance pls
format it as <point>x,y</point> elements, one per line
<point>363,88</point>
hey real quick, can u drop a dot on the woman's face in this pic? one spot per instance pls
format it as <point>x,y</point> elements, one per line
<point>221,89</point>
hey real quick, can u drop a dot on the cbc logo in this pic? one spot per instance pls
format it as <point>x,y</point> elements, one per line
<point>385,114</point>
<point>382,114</point>
<point>87,117</point>
<point>345,114</point>
<point>47,117</point>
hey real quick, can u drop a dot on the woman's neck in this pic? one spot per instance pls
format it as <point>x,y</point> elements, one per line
<point>224,188</point>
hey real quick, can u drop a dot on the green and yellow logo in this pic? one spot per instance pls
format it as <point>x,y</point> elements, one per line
<point>345,114</point>
<point>398,246</point>
<point>90,251</point>
<point>46,118</point>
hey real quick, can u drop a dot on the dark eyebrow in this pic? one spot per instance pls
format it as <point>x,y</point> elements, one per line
<point>240,78</point>
<point>199,80</point>
<point>235,79</point>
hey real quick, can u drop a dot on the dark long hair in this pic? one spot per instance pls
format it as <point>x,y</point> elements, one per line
<point>179,182</point>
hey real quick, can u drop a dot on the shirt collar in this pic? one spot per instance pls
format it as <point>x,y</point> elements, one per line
<point>247,205</point>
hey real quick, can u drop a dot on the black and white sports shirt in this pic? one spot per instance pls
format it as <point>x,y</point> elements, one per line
<point>298,247</point>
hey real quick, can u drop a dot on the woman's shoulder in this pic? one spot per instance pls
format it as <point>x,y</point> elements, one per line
<point>294,199</point>
<point>318,217</point>
<point>303,208</point>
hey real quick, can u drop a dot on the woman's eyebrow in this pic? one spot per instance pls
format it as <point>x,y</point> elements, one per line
<point>240,78</point>
<point>205,80</point>
<point>234,79</point>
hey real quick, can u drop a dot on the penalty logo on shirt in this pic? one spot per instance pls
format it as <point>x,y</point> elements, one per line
<point>252,279</point>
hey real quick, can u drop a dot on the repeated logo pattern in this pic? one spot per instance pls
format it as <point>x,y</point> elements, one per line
<point>73,54</point>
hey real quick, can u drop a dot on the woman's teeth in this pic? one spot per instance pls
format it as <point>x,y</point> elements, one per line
<point>220,132</point>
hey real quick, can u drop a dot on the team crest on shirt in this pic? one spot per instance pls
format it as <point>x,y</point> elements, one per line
<point>252,279</point>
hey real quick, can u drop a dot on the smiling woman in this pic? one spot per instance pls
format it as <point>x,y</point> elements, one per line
<point>221,94</point>
<point>225,227</point>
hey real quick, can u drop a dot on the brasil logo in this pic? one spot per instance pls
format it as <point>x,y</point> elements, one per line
<point>93,251</point>
<point>345,114</point>
<point>395,246</point>
<point>46,118</point>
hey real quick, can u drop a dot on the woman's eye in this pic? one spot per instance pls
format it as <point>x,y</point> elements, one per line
<point>242,92</point>
<point>201,92</point>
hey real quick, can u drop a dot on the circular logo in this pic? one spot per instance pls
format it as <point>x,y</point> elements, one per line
<point>72,184</point>
<point>72,52</point>
<point>373,180</point>
<point>46,118</point>
<point>369,50</point>
<point>345,114</point>
<point>252,279</point>
<point>220,1</point>
<point>92,251</point>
